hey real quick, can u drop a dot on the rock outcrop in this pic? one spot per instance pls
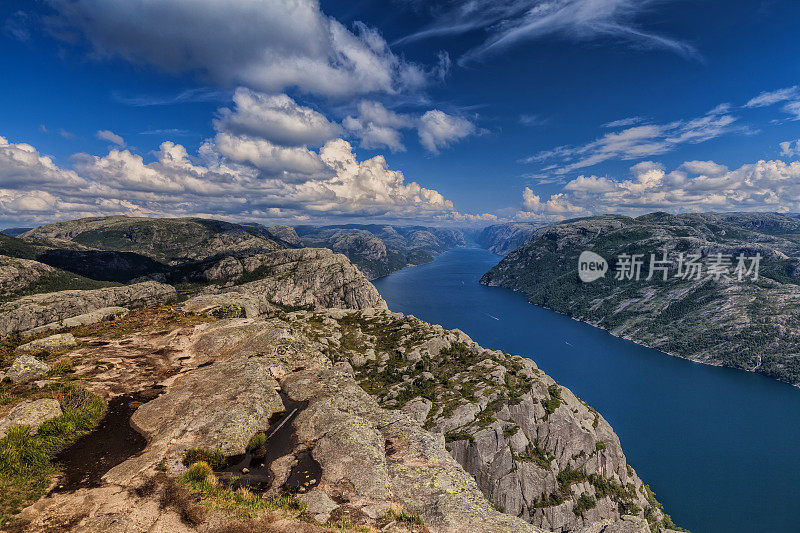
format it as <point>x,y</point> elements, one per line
<point>18,274</point>
<point>25,368</point>
<point>312,278</point>
<point>30,312</point>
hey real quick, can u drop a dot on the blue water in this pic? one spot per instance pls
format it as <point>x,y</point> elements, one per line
<point>718,446</point>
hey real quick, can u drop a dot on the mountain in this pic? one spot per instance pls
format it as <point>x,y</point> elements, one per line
<point>289,403</point>
<point>749,324</point>
<point>380,250</point>
<point>502,238</point>
<point>170,241</point>
<point>14,232</point>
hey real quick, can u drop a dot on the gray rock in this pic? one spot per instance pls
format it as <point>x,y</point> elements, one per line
<point>86,319</point>
<point>25,368</point>
<point>30,413</point>
<point>313,278</point>
<point>230,305</point>
<point>418,408</point>
<point>51,344</point>
<point>37,310</point>
<point>318,504</point>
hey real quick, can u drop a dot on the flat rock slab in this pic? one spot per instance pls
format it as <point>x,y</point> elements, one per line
<point>54,343</point>
<point>30,413</point>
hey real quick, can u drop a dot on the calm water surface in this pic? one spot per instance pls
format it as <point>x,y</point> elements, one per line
<point>718,446</point>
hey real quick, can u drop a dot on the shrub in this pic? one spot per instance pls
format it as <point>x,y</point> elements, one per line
<point>585,502</point>
<point>600,445</point>
<point>197,473</point>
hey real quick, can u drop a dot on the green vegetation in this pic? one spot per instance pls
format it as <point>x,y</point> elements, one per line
<point>569,476</point>
<point>404,517</point>
<point>585,502</point>
<point>26,465</point>
<point>458,435</point>
<point>240,502</point>
<point>551,404</point>
<point>599,445</point>
<point>257,441</point>
<point>215,458</point>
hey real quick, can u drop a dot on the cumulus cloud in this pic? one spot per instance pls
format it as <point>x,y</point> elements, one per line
<point>378,127</point>
<point>267,46</point>
<point>110,136</point>
<point>235,177</point>
<point>638,141</point>
<point>438,130</point>
<point>694,186</point>
<point>512,22</point>
<point>276,118</point>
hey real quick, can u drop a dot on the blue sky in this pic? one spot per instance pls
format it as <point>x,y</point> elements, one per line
<point>446,112</point>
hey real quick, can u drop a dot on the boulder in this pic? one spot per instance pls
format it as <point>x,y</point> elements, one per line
<point>30,413</point>
<point>318,504</point>
<point>25,368</point>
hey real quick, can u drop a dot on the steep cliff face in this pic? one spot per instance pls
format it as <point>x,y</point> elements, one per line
<point>721,320</point>
<point>535,450</point>
<point>503,238</point>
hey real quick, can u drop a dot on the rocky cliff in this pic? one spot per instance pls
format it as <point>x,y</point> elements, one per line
<point>259,417</point>
<point>748,324</point>
<point>503,238</point>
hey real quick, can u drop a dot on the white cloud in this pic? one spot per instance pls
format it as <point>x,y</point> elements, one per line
<point>278,119</point>
<point>790,149</point>
<point>624,122</point>
<point>694,186</point>
<point>512,22</point>
<point>291,163</point>
<point>377,127</point>
<point>638,142</point>
<point>268,46</point>
<point>768,98</point>
<point>110,136</point>
<point>438,130</point>
<point>232,177</point>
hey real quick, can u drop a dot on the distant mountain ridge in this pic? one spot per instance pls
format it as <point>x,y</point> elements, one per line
<point>750,325</point>
<point>379,250</point>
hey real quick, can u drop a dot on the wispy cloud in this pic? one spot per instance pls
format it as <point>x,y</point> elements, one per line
<point>510,22</point>
<point>623,122</point>
<point>637,142</point>
<point>768,98</point>
<point>200,94</point>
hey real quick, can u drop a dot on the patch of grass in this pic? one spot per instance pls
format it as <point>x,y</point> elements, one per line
<point>61,367</point>
<point>214,458</point>
<point>403,516</point>
<point>256,442</point>
<point>26,457</point>
<point>241,502</point>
